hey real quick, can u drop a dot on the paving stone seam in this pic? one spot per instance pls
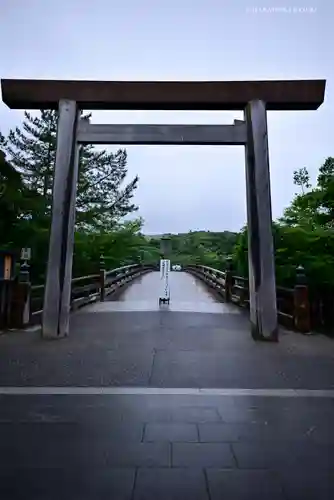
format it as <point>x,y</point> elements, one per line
<point>134,484</point>
<point>234,456</point>
<point>143,432</point>
<point>152,366</point>
<point>207,483</point>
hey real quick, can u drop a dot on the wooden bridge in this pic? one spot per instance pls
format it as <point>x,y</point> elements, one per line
<point>25,301</point>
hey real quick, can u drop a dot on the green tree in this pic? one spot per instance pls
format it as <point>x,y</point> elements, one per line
<point>304,235</point>
<point>10,197</point>
<point>102,196</point>
<point>314,208</point>
<point>301,178</point>
<point>123,245</point>
<point>303,211</point>
<point>325,194</point>
<point>17,204</point>
<point>198,247</point>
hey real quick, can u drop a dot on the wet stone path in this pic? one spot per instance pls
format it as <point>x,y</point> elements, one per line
<point>140,403</point>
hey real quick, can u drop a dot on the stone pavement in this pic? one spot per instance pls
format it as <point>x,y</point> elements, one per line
<point>140,429</point>
<point>165,349</point>
<point>166,446</point>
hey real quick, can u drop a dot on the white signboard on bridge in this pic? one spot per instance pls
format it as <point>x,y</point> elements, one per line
<point>164,280</point>
<point>25,253</point>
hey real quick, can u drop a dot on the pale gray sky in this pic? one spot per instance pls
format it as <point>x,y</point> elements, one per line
<point>184,187</point>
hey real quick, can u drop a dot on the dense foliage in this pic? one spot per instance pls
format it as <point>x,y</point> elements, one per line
<point>304,234</point>
<point>26,180</point>
<point>199,247</point>
<point>101,197</point>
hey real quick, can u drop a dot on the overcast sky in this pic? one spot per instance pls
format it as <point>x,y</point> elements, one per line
<point>183,187</point>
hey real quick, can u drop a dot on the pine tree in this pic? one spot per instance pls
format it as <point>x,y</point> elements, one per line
<point>102,197</point>
<point>17,204</point>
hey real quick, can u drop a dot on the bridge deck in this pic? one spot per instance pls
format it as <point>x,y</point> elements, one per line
<point>187,295</point>
<point>116,410</point>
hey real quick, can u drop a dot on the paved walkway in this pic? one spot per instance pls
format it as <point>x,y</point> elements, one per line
<point>116,410</point>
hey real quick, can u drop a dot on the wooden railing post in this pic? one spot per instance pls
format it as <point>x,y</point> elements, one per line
<point>102,278</point>
<point>228,280</point>
<point>301,313</point>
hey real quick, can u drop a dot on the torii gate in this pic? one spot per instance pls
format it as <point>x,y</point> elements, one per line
<point>253,97</point>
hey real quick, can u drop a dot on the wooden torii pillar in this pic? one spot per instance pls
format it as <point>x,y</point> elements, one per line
<point>255,98</point>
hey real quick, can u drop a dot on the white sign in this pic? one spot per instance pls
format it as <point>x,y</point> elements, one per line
<point>164,279</point>
<point>26,254</point>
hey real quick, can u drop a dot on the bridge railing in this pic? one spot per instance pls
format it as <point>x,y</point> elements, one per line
<point>23,301</point>
<point>293,307</point>
<point>84,290</point>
